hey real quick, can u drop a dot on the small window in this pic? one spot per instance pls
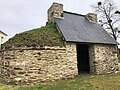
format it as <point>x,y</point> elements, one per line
<point>2,37</point>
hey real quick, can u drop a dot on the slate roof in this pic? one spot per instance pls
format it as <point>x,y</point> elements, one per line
<point>77,28</point>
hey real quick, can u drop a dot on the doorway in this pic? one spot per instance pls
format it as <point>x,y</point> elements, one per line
<point>83,58</point>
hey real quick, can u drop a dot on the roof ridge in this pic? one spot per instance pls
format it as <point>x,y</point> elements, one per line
<point>73,13</point>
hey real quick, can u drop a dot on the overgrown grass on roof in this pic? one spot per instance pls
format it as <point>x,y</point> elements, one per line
<point>44,36</point>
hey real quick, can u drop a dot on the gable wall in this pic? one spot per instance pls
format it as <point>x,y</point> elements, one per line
<point>103,58</point>
<point>3,38</point>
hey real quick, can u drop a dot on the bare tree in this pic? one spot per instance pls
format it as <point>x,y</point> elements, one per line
<point>109,17</point>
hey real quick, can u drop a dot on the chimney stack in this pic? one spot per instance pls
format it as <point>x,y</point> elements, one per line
<point>92,17</point>
<point>56,10</point>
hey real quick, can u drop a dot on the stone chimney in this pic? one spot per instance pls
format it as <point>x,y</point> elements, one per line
<point>92,17</point>
<point>56,10</point>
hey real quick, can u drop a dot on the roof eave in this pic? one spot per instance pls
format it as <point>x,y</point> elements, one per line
<point>91,43</point>
<point>3,33</point>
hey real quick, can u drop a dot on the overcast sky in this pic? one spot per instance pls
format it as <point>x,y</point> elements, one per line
<point>20,15</point>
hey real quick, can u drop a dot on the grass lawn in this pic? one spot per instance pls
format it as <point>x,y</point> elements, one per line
<point>83,82</point>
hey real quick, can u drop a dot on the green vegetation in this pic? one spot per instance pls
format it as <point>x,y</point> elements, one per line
<point>83,82</point>
<point>44,36</point>
<point>119,58</point>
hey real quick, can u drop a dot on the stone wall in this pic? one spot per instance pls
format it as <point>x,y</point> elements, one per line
<point>103,58</point>
<point>29,66</point>
<point>92,17</point>
<point>56,10</point>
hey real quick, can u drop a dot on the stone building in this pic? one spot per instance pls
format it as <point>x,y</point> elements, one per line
<point>88,48</point>
<point>3,37</point>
